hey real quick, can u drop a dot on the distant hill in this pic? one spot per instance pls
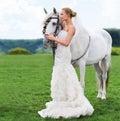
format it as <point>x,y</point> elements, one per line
<point>29,44</point>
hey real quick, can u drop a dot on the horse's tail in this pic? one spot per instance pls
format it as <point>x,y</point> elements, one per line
<point>108,71</point>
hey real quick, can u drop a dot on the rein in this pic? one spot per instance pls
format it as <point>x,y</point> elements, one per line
<point>75,60</point>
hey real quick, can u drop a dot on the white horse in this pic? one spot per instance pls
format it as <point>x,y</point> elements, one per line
<point>86,49</point>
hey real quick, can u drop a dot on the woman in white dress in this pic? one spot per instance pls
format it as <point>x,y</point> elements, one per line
<point>68,99</point>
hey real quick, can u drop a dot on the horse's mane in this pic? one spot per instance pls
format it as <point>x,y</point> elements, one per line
<point>80,29</point>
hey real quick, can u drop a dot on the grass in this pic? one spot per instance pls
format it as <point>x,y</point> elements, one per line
<point>25,88</point>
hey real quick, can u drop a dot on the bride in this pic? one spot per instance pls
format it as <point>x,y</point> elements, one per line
<point>68,99</point>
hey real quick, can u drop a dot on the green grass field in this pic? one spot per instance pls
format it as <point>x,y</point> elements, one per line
<point>25,88</point>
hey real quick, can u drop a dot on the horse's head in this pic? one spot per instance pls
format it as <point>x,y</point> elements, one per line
<point>51,26</point>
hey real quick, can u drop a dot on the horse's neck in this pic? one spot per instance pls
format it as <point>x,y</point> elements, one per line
<point>79,27</point>
<point>80,40</point>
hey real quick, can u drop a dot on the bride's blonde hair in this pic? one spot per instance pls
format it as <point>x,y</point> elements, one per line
<point>70,12</point>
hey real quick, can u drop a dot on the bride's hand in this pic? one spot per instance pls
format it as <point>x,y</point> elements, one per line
<point>50,37</point>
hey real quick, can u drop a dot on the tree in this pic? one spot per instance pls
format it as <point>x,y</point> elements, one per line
<point>19,51</point>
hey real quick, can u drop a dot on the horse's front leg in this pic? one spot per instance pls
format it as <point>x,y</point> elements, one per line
<point>82,67</point>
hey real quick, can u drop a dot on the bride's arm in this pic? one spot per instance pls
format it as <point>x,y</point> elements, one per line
<point>64,42</point>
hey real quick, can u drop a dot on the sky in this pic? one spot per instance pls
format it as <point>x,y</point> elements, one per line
<point>22,19</point>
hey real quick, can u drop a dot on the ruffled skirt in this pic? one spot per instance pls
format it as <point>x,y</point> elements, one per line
<point>68,100</point>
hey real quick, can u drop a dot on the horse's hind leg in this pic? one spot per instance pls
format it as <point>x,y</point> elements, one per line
<point>105,75</point>
<point>99,78</point>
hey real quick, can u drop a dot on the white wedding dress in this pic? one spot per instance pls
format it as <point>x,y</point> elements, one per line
<point>68,99</point>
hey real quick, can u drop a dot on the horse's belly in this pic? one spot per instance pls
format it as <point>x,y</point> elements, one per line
<point>97,51</point>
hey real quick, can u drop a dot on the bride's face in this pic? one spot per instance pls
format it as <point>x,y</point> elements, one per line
<point>63,15</point>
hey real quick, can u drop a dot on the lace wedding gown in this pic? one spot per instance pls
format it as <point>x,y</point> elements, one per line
<point>68,99</point>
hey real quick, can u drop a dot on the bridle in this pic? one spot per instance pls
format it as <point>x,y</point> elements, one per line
<point>52,43</point>
<point>57,25</point>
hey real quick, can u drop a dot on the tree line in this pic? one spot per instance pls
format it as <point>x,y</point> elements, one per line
<point>34,45</point>
<point>30,44</point>
<point>115,34</point>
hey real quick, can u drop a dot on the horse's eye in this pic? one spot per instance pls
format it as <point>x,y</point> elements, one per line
<point>53,23</point>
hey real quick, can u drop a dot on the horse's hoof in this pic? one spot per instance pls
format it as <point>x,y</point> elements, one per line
<point>103,98</point>
<point>98,97</point>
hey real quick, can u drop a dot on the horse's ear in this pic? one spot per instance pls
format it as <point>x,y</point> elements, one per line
<point>45,11</point>
<point>54,10</point>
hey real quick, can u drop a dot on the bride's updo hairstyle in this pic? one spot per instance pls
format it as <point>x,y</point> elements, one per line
<point>70,12</point>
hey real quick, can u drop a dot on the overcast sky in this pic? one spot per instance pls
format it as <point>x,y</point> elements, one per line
<point>21,19</point>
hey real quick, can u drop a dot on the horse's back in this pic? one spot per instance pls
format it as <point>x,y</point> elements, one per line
<point>106,36</point>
